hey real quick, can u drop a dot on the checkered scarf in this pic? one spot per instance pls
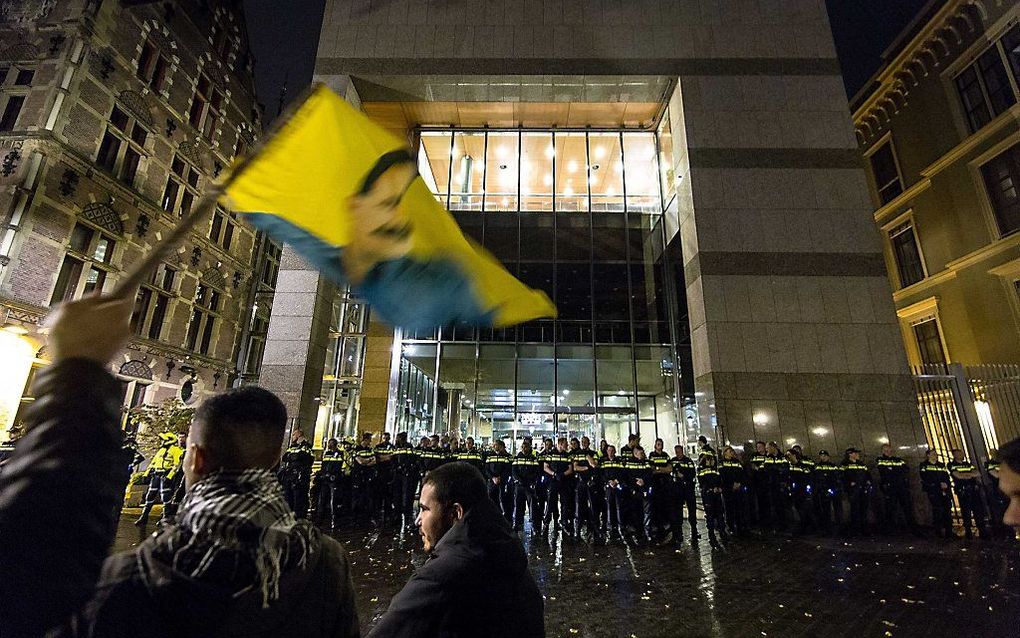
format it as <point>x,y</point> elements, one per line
<point>240,518</point>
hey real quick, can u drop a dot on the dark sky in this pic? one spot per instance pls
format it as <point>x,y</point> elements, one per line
<point>284,36</point>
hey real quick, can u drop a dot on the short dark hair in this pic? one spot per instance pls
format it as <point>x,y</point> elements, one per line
<point>1010,455</point>
<point>242,428</point>
<point>457,482</point>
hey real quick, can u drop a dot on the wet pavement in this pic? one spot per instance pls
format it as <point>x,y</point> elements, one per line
<point>751,587</point>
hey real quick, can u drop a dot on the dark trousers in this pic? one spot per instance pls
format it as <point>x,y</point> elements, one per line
<point>500,494</point>
<point>597,494</point>
<point>830,508</point>
<point>362,493</point>
<point>328,500</point>
<point>526,495</point>
<point>858,499</point>
<point>761,502</point>
<point>893,499</point>
<point>805,507</point>
<point>660,493</point>
<point>714,513</point>
<point>941,518</point>
<point>779,503</point>
<point>161,490</point>
<point>384,500</point>
<point>405,488</point>
<point>972,509</point>
<point>614,508</point>
<point>684,498</point>
<point>637,510</point>
<point>295,492</point>
<point>584,507</point>
<point>735,503</point>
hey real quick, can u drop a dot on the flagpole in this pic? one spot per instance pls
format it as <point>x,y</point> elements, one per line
<point>134,277</point>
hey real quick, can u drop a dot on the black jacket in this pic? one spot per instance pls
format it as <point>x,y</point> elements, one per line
<point>58,514</point>
<point>476,583</point>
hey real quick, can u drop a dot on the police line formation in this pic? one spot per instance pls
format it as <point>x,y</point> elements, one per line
<point>627,494</point>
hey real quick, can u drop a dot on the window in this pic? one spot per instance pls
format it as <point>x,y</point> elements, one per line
<point>886,173</point>
<point>152,303</point>
<point>203,319</point>
<point>122,147</point>
<point>205,107</point>
<point>24,77</point>
<point>152,66</point>
<point>221,44</point>
<point>908,256</point>
<point>1002,178</point>
<point>181,189</point>
<point>929,342</point>
<point>271,264</point>
<point>222,229</point>
<point>256,344</point>
<point>984,86</point>
<point>86,264</point>
<point>11,112</point>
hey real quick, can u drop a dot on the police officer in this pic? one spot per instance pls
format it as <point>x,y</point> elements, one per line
<point>639,476</point>
<point>704,449</point>
<point>966,483</point>
<point>582,460</point>
<point>998,501</point>
<point>363,477</point>
<point>633,441</point>
<point>596,485</point>
<point>544,480</point>
<point>295,473</point>
<point>471,455</point>
<point>733,480</point>
<point>430,454</point>
<point>828,481</point>
<point>661,492</point>
<point>711,497</point>
<point>894,483</point>
<point>777,474</point>
<point>616,483</point>
<point>858,485</point>
<point>760,485</point>
<point>161,472</point>
<point>406,474</point>
<point>937,485</point>
<point>384,477</point>
<point>685,474</point>
<point>329,479</point>
<point>801,491</point>
<point>497,477</point>
<point>559,497</point>
<point>525,471</point>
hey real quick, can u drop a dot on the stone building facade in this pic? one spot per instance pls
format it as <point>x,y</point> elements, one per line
<point>939,129</point>
<point>115,117</point>
<point>769,258</point>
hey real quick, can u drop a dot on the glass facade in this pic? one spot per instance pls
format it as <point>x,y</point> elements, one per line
<point>579,215</point>
<point>344,369</point>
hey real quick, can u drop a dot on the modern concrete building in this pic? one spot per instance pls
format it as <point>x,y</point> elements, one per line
<point>939,127</point>
<point>114,116</point>
<point>681,176</point>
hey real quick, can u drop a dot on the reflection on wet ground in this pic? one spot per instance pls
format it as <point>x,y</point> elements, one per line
<point>751,587</point>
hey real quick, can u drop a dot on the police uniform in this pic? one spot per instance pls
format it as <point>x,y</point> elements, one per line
<point>329,479</point>
<point>711,497</point>
<point>616,483</point>
<point>584,502</point>
<point>560,492</point>
<point>894,483</point>
<point>777,475</point>
<point>828,482</point>
<point>162,474</point>
<point>638,511</point>
<point>733,479</point>
<point>496,470</point>
<point>998,501</point>
<point>937,484</point>
<point>968,493</point>
<point>362,481</point>
<point>384,476</point>
<point>406,474</point>
<point>858,486</point>
<point>295,476</point>
<point>685,474</point>
<point>661,491</point>
<point>525,470</point>
<point>801,492</point>
<point>760,487</point>
<point>471,456</point>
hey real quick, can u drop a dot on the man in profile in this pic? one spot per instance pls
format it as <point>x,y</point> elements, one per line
<point>1009,481</point>
<point>476,580</point>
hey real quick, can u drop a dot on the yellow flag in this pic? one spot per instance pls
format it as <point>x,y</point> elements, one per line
<point>346,194</point>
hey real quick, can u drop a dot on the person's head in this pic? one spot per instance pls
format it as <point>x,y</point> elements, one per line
<point>385,437</point>
<point>575,444</point>
<point>759,446</point>
<point>932,456</point>
<point>447,494</point>
<point>886,450</point>
<point>633,440</point>
<point>799,450</point>
<point>547,444</point>
<point>708,460</point>
<point>823,456</point>
<point>332,445</point>
<point>639,453</point>
<point>603,445</point>
<point>702,440</point>
<point>958,454</point>
<point>425,442</point>
<point>585,443</point>
<point>1009,481</point>
<point>561,444</point>
<point>239,429</point>
<point>297,436</point>
<point>435,440</point>
<point>499,446</point>
<point>470,443</point>
<point>401,438</point>
<point>659,445</point>
<point>526,445</point>
<point>182,439</point>
<point>772,447</point>
<point>729,453</point>
<point>679,451</point>
<point>792,456</point>
<point>610,451</point>
<point>853,454</point>
<point>366,438</point>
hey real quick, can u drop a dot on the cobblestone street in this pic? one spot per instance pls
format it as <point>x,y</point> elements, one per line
<point>771,587</point>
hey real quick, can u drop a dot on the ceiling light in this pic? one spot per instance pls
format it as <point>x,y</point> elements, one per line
<point>549,152</point>
<point>819,431</point>
<point>600,152</point>
<point>571,166</point>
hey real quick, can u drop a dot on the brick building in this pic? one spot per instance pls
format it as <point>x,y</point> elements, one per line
<point>114,116</point>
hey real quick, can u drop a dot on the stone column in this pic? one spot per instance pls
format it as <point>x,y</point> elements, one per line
<point>295,355</point>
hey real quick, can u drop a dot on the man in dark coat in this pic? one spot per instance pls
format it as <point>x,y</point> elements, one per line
<point>476,581</point>
<point>235,562</point>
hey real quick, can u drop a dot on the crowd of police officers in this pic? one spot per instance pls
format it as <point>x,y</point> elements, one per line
<point>646,497</point>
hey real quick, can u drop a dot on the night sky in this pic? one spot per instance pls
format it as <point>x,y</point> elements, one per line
<point>284,37</point>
